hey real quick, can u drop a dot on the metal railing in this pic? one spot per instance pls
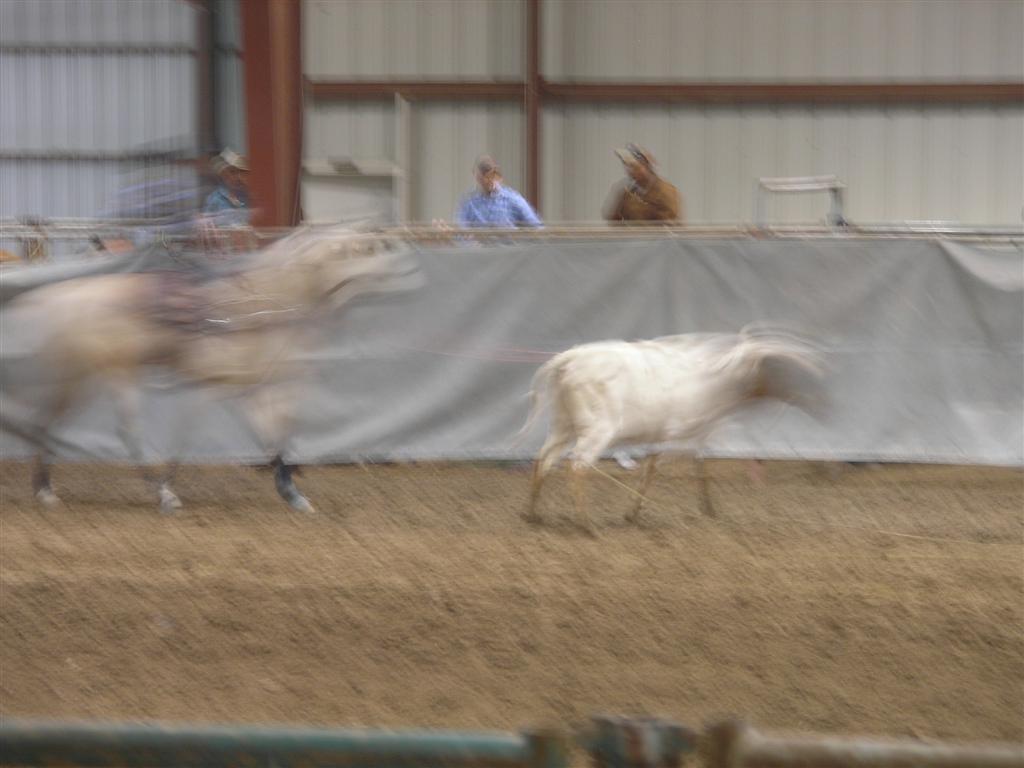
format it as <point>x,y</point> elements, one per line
<point>35,239</point>
<point>735,745</point>
<point>611,742</point>
<point>154,746</point>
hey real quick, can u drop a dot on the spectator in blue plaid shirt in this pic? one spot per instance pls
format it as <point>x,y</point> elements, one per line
<point>493,204</point>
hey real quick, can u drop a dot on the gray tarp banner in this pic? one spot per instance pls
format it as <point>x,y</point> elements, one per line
<point>926,340</point>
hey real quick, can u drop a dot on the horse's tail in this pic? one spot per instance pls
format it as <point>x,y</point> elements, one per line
<point>539,386</point>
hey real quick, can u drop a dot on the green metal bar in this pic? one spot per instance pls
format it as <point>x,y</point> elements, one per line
<point>25,743</point>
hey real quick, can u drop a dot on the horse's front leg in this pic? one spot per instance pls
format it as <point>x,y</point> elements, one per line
<point>271,413</point>
<point>129,410</point>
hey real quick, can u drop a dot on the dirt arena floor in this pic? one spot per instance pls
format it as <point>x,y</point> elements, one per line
<point>884,601</point>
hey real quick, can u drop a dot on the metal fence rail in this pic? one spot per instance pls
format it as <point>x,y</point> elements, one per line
<point>734,745</point>
<point>612,742</point>
<point>152,746</point>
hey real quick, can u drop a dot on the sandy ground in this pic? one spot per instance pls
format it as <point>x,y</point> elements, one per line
<point>886,601</point>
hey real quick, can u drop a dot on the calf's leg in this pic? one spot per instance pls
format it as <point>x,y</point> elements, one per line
<point>650,463</point>
<point>553,448</point>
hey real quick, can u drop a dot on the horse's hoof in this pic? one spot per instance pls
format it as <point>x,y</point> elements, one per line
<point>625,461</point>
<point>301,504</point>
<point>47,497</point>
<point>169,502</point>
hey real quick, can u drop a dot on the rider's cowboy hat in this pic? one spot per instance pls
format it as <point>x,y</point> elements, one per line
<point>229,159</point>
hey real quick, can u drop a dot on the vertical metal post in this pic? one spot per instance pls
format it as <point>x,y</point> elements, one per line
<point>271,32</point>
<point>403,159</point>
<point>532,102</point>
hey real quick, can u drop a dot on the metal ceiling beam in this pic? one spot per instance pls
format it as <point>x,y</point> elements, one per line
<point>419,90</point>
<point>93,156</point>
<point>673,92</point>
<point>98,49</point>
<point>785,93</point>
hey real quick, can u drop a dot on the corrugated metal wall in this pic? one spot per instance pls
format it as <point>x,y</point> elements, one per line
<point>783,40</point>
<point>413,39</point>
<point>229,77</point>
<point>92,94</point>
<point>964,164</point>
<point>409,40</point>
<point>901,162</point>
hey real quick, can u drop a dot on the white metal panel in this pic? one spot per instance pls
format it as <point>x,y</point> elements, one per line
<point>977,165</point>
<point>88,101</point>
<point>798,40</point>
<point>332,200</point>
<point>846,40</point>
<point>906,40</point>
<point>1010,39</point>
<point>1009,181</point>
<point>358,130</point>
<point>447,138</point>
<point>439,39</point>
<point>870,33</point>
<point>759,141</point>
<point>941,30</point>
<point>438,57</point>
<point>798,154</point>
<point>686,160</point>
<point>940,190</point>
<point>69,189</point>
<point>760,50</point>
<point>97,21</point>
<point>901,163</point>
<point>688,44</point>
<point>979,40</point>
<point>724,40</point>
<point>904,168</point>
<point>835,48</point>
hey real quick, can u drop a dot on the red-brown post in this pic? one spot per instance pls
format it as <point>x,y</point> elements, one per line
<point>271,36</point>
<point>532,102</point>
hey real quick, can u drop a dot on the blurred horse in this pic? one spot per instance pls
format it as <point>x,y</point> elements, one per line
<point>237,334</point>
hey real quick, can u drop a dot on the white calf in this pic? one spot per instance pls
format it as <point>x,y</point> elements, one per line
<point>675,388</point>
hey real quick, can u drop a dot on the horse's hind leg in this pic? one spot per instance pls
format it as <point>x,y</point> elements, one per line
<point>41,437</point>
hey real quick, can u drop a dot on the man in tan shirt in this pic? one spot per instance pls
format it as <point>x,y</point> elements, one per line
<point>644,195</point>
